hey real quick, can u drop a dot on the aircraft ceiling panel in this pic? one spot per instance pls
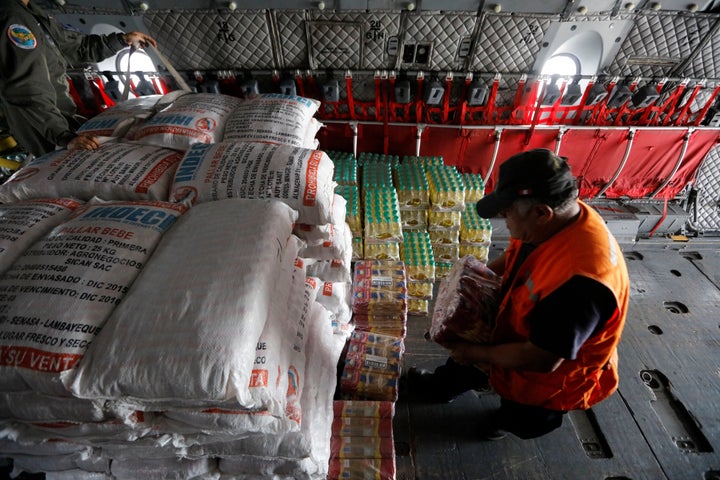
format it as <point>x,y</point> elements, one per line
<point>509,44</point>
<point>208,40</point>
<point>674,40</point>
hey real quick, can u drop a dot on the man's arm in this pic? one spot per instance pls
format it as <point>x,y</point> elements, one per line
<point>497,265</point>
<point>517,355</point>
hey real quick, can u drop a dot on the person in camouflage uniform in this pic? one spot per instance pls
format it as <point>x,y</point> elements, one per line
<point>35,51</point>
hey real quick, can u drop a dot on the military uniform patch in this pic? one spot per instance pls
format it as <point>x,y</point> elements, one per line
<point>22,37</point>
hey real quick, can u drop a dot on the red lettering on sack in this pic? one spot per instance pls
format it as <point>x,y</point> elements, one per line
<point>157,171</point>
<point>259,378</point>
<point>311,179</point>
<point>327,289</point>
<point>39,360</point>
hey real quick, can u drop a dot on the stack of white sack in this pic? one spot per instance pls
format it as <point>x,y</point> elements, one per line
<point>200,363</point>
<point>303,454</point>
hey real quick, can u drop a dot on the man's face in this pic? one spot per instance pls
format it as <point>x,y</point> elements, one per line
<point>519,220</point>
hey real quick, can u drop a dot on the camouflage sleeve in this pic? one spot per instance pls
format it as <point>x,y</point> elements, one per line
<point>29,96</point>
<point>81,48</point>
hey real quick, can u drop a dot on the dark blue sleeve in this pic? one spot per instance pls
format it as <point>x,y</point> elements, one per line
<point>561,322</point>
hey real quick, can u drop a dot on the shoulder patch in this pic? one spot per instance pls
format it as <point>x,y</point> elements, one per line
<point>22,36</point>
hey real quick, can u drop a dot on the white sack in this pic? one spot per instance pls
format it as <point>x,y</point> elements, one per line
<point>274,118</point>
<point>115,171</point>
<point>185,335</point>
<point>21,224</point>
<point>193,118</point>
<point>47,447</point>
<point>77,475</point>
<point>278,369</point>
<point>324,235</point>
<point>116,120</point>
<point>56,297</point>
<point>300,177</point>
<point>33,406</point>
<point>168,468</point>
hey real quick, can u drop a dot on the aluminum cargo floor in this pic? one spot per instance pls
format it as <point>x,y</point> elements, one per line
<point>663,423</point>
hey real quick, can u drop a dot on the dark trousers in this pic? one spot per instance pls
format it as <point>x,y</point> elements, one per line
<point>524,421</point>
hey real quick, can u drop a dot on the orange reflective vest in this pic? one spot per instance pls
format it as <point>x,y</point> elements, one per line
<point>586,247</point>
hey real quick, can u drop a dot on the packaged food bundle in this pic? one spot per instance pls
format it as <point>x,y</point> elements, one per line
<point>376,175</point>
<point>352,209</point>
<point>371,368</point>
<point>411,186</point>
<point>444,237</point>
<point>418,307</point>
<point>346,169</point>
<point>467,303</point>
<point>382,216</point>
<point>417,253</point>
<point>447,191</point>
<point>446,252</point>
<point>362,426</point>
<point>443,220</point>
<point>474,187</point>
<point>362,447</point>
<point>388,324</point>
<point>423,290</point>
<point>365,468</point>
<point>382,251</point>
<point>481,252</point>
<point>423,161</point>
<point>474,228</point>
<point>363,408</point>
<point>413,219</point>
<point>379,287</point>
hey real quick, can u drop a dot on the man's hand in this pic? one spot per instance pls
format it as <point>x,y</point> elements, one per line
<point>139,38</point>
<point>83,142</point>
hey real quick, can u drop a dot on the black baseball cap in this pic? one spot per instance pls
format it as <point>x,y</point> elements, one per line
<point>537,173</point>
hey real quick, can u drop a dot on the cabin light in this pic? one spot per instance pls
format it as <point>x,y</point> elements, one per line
<point>629,6</point>
<point>693,7</point>
<point>656,6</point>
<point>232,6</point>
<point>60,2</point>
<point>410,6</point>
<point>321,6</point>
<point>497,8</point>
<point>144,7</point>
<point>582,10</point>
